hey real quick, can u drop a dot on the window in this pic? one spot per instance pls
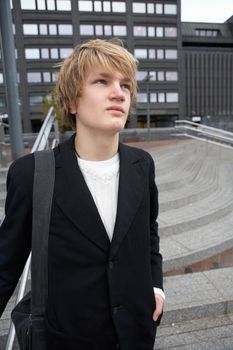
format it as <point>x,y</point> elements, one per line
<point>171,54</point>
<point>99,29</point>
<point>63,5</point>
<point>141,75</point>
<point>65,29</point>
<point>52,29</point>
<point>160,54</point>
<point>159,9</point>
<point>140,53</point>
<point>43,29</point>
<point>171,76</point>
<point>54,53</point>
<point>170,9</point>
<point>170,32</point>
<point>153,97</point>
<point>86,29</point>
<point>152,53</point>
<point>172,97</point>
<point>28,4</point>
<point>32,54</point>
<point>102,6</point>
<point>159,31</point>
<point>48,29</point>
<point>139,7</point>
<point>160,76</point>
<point>107,30</point>
<point>161,97</point>
<point>151,31</point>
<point>85,6</point>
<point>64,52</point>
<point>35,100</point>
<point>206,32</point>
<point>30,29</point>
<point>46,77</point>
<point>106,7</point>
<point>119,30</point>
<point>142,97</point>
<point>139,30</point>
<point>51,5</point>
<point>152,76</point>
<point>118,6</point>
<point>41,5</point>
<point>34,77</point>
<point>45,53</point>
<point>150,8</point>
<point>97,6</point>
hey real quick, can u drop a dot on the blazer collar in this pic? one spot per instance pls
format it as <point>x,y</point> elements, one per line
<point>75,200</point>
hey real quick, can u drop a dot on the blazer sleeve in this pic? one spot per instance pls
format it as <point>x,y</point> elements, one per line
<point>15,230</point>
<point>156,258</point>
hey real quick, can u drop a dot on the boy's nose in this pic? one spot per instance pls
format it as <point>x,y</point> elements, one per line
<point>116,92</point>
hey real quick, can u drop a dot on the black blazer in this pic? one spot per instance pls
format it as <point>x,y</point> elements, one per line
<point>96,289</point>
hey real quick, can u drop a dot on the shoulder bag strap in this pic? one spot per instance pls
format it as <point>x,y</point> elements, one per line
<point>44,177</point>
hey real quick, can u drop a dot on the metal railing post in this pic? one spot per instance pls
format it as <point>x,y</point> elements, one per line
<point>3,155</point>
<point>205,133</point>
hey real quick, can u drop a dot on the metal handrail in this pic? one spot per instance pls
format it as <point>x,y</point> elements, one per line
<point>40,144</point>
<point>3,155</point>
<point>204,130</point>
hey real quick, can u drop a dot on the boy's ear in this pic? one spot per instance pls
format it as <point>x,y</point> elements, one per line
<point>73,108</point>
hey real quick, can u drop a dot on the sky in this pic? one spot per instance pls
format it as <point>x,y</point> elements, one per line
<point>209,11</point>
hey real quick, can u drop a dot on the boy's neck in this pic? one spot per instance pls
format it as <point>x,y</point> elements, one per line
<point>96,147</point>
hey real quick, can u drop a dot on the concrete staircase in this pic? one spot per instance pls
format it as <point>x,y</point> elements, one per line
<point>196,222</point>
<point>196,202</point>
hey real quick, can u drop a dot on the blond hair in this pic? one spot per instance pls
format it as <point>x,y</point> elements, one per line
<point>110,55</point>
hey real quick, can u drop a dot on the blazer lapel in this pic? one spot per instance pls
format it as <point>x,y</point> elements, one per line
<point>74,198</point>
<point>130,194</point>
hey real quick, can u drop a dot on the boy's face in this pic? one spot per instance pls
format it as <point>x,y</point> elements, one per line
<point>105,102</point>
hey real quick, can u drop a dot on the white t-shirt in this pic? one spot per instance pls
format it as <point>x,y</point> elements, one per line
<point>102,179</point>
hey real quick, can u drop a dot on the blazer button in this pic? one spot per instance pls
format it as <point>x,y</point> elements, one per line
<point>116,309</point>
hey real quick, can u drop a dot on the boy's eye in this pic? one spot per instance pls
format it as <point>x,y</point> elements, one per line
<point>100,81</point>
<point>125,86</point>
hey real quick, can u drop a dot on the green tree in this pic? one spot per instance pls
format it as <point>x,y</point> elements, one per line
<point>50,100</point>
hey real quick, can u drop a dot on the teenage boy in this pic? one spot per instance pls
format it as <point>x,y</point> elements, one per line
<point>104,266</point>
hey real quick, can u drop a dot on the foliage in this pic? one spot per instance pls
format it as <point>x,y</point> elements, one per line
<point>50,100</point>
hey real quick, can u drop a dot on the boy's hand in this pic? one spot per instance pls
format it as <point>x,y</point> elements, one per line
<point>159,306</point>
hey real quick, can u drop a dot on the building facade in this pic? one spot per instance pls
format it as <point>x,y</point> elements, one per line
<point>207,70</point>
<point>46,31</point>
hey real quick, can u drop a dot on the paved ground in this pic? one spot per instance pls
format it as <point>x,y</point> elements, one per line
<point>209,333</point>
<point>199,306</point>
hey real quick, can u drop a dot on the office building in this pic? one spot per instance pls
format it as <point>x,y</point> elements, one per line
<point>207,70</point>
<point>46,31</point>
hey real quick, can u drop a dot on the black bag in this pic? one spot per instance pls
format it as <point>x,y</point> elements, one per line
<point>28,314</point>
